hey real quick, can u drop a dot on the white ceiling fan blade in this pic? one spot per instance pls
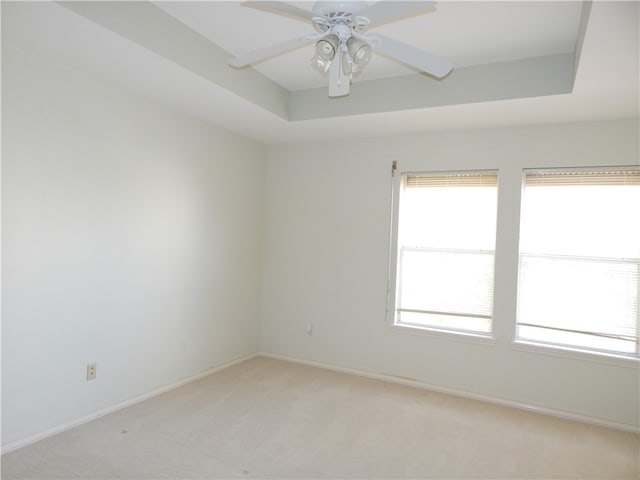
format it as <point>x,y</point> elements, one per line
<point>390,11</point>
<point>256,56</point>
<point>339,83</point>
<point>282,8</point>
<point>412,56</point>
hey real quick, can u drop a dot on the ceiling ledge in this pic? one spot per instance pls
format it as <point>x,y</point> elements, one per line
<point>151,27</point>
<point>530,77</point>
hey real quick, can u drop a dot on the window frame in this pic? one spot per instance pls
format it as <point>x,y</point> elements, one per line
<point>394,255</point>
<point>557,348</point>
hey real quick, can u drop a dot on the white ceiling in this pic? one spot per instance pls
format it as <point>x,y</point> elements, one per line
<point>468,33</point>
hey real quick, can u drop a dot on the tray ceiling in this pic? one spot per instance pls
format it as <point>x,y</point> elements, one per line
<point>516,63</point>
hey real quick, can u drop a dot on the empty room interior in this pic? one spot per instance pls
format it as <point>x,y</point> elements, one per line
<point>393,239</point>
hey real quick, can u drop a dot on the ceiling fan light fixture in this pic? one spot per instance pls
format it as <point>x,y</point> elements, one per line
<point>320,64</point>
<point>359,51</point>
<point>326,49</point>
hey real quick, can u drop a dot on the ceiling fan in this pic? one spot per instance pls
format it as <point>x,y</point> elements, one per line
<point>342,48</point>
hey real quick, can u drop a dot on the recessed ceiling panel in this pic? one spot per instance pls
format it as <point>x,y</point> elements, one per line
<point>466,33</point>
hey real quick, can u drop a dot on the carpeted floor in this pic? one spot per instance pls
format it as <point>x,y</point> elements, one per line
<point>265,418</point>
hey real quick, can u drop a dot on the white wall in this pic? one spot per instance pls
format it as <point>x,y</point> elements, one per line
<point>128,230</point>
<point>326,262</point>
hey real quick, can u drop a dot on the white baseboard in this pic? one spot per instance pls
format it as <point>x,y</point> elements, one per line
<point>127,403</point>
<point>376,376</point>
<point>460,393</point>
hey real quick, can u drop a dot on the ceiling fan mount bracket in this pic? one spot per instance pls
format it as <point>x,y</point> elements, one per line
<point>337,8</point>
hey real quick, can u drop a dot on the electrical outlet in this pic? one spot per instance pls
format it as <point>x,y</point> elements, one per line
<point>310,328</point>
<point>91,370</point>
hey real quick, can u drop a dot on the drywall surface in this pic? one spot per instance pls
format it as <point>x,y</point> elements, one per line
<point>131,238</point>
<point>326,263</point>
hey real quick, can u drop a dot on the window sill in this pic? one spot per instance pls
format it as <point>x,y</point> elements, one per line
<point>577,354</point>
<point>468,337</point>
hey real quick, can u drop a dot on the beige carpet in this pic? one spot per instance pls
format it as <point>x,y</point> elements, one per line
<point>271,419</point>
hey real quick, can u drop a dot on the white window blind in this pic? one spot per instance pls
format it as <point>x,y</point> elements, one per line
<point>580,258</point>
<point>445,257</point>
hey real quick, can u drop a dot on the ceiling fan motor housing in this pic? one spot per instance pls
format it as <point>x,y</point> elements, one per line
<point>330,14</point>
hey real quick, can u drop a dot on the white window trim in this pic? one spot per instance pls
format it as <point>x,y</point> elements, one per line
<point>454,335</point>
<point>484,338</point>
<point>560,350</point>
<point>566,351</point>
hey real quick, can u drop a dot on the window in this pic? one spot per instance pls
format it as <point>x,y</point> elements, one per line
<point>579,259</point>
<point>444,245</point>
